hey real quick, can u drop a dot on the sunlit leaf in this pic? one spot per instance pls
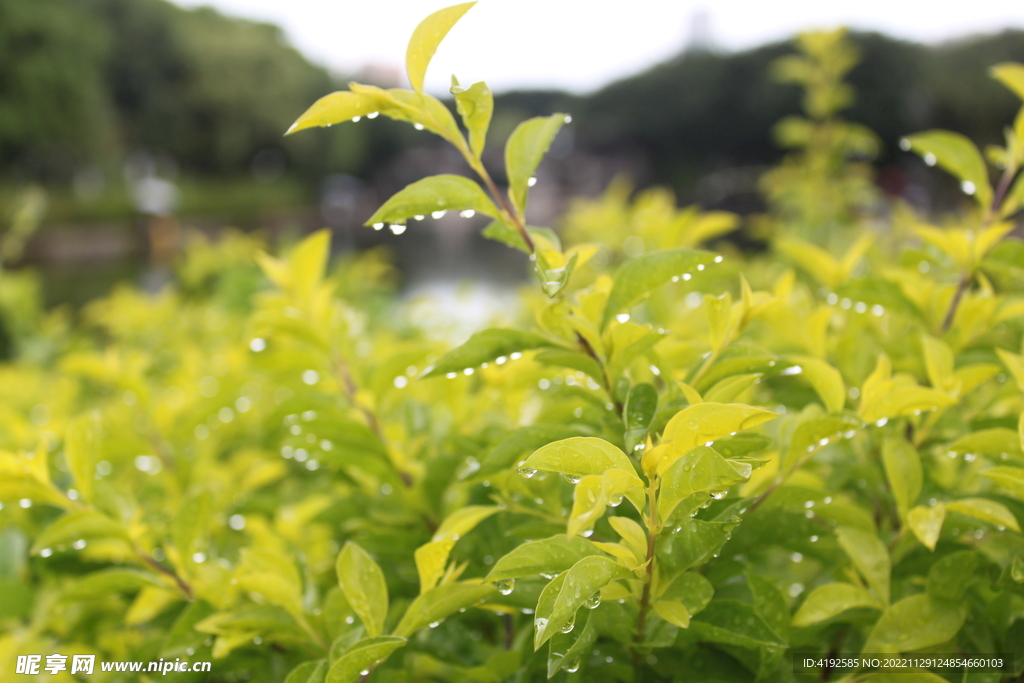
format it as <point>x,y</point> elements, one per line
<point>441,602</point>
<point>958,155</point>
<point>439,193</point>
<point>640,276</point>
<point>547,556</point>
<point>566,594</point>
<point>831,600</point>
<point>870,556</point>
<point>524,151</point>
<point>364,586</point>
<point>361,657</point>
<point>425,39</point>
<point>915,623</point>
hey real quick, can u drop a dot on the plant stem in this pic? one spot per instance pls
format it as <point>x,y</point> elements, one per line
<point>352,391</point>
<point>153,564</point>
<point>997,201</point>
<point>645,598</point>
<point>605,380</point>
<point>506,208</point>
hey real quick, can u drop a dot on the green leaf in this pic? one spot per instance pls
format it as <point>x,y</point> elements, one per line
<point>505,453</point>
<point>82,447</point>
<point>79,525</point>
<point>673,611</point>
<point>818,432</point>
<point>425,39</point>
<point>547,556</point>
<point>575,360</point>
<point>734,623</point>
<point>415,108</point>
<point>696,541</point>
<point>870,557</point>
<point>950,577</point>
<point>831,600</point>
<point>432,558</point>
<point>769,604</point>
<point>565,650</point>
<point>629,342</point>
<point>431,562</point>
<point>308,672</point>
<point>903,470</point>
<point>561,598</point>
<point>364,586</point>
<point>436,193</point>
<point>694,477</point>
<point>1011,75</point>
<point>273,576</point>
<point>915,623</point>
<point>109,581</point>
<point>335,108</point>
<point>494,345</point>
<point>639,277</point>
<point>926,523</point>
<point>475,105</point>
<point>731,388</point>
<point>995,443</point>
<point>958,155</point>
<point>307,263</point>
<point>524,151</point>
<point>826,380</point>
<point>580,456</point>
<point>441,602</point>
<point>985,510</point>
<point>690,589</point>
<point>641,405</point>
<point>1010,478</point>
<point>704,422</point>
<point>361,657</point>
<point>594,493</point>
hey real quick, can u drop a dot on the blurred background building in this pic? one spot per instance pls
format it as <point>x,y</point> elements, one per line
<point>137,116</point>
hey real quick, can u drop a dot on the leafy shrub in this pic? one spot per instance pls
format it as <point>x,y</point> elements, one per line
<point>682,465</point>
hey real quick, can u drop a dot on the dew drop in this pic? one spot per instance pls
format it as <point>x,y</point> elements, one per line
<point>505,586</point>
<point>527,472</point>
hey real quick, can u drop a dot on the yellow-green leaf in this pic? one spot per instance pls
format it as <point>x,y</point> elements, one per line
<point>958,155</point>
<point>335,108</point>
<point>704,422</point>
<point>475,105</point>
<point>580,456</point>
<point>594,493</point>
<point>985,510</point>
<point>831,600</point>
<point>826,380</point>
<point>525,150</point>
<point>1010,478</point>
<point>915,623</point>
<point>1010,74</point>
<point>441,602</point>
<point>425,39</point>
<point>903,470</point>
<point>869,556</point>
<point>438,193</point>
<point>926,523</point>
<point>363,656</point>
<point>567,593</point>
<point>694,477</point>
<point>82,446</point>
<point>548,556</point>
<point>363,584</point>
<point>674,612</point>
<point>640,276</point>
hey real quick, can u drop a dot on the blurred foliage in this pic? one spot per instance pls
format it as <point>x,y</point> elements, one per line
<point>680,465</point>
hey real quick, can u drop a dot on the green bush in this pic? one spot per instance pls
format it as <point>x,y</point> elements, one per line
<point>682,465</point>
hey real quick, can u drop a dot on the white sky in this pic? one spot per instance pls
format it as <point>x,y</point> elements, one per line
<point>581,45</point>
